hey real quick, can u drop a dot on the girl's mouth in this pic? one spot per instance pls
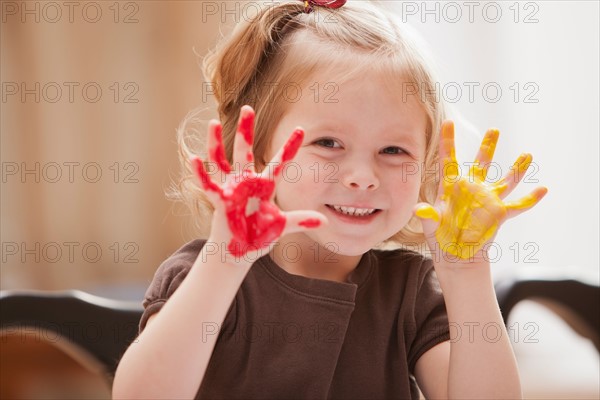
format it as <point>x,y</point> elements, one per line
<point>353,214</point>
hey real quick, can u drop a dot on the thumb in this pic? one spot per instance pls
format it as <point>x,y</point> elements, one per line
<point>429,216</point>
<point>297,221</point>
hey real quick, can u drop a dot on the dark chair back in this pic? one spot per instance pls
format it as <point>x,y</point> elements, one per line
<point>574,295</point>
<point>101,328</point>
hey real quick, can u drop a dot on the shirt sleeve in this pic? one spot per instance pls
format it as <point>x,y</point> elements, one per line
<point>431,318</point>
<point>167,279</point>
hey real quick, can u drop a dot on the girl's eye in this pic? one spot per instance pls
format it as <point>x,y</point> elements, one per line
<point>325,142</point>
<point>394,150</point>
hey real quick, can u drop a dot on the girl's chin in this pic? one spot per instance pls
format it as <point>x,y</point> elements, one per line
<point>346,247</point>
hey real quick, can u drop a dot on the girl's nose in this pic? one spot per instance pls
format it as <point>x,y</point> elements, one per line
<point>360,178</point>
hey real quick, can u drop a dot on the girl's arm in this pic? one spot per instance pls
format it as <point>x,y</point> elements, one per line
<point>170,356</point>
<point>478,361</point>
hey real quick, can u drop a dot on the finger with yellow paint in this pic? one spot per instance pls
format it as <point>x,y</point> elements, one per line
<point>516,173</point>
<point>485,155</point>
<point>449,168</point>
<point>525,203</point>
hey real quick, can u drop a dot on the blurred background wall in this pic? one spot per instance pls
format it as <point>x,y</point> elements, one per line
<point>92,92</point>
<point>92,95</point>
<point>530,69</point>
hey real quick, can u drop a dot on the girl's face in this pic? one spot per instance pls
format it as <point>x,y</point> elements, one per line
<point>363,148</point>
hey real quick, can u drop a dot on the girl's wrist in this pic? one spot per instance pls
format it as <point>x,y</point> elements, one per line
<point>467,289</point>
<point>217,251</point>
<point>463,272</point>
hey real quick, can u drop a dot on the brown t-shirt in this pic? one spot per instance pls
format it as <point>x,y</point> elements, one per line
<point>291,337</point>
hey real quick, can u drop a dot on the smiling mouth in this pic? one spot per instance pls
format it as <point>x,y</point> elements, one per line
<point>352,211</point>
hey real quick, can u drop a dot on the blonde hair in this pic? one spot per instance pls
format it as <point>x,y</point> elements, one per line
<point>282,44</point>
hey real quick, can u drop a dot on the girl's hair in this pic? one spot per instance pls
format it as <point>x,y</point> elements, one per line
<point>281,45</point>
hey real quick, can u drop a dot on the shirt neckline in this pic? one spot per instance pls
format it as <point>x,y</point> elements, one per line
<point>344,292</point>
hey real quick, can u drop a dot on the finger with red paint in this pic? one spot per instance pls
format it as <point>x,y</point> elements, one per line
<point>216,161</point>
<point>217,166</point>
<point>300,221</point>
<point>275,168</point>
<point>243,158</point>
<point>216,150</point>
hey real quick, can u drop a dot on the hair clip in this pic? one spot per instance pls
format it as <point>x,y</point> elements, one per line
<point>333,4</point>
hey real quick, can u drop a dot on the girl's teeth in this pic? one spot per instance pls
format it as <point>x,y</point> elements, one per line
<point>354,211</point>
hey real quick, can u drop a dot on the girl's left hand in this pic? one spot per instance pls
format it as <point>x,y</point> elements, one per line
<point>468,211</point>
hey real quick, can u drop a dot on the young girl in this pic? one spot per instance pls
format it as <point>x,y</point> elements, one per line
<point>289,297</point>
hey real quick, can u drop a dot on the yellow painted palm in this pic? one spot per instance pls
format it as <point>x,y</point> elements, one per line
<point>468,210</point>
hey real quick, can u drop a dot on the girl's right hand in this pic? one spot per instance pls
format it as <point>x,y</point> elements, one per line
<point>246,223</point>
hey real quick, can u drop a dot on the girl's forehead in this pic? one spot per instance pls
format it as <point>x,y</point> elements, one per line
<point>392,79</point>
<point>353,90</point>
<point>335,89</point>
<point>354,106</point>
